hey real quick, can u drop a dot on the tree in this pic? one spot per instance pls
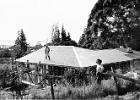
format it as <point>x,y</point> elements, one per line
<point>21,45</point>
<point>61,38</point>
<point>55,35</point>
<point>112,24</point>
<point>63,34</point>
<point>68,37</point>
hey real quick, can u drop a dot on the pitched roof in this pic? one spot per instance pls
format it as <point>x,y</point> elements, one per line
<point>78,57</point>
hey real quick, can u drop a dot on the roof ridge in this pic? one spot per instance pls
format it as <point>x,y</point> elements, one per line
<point>60,46</point>
<point>80,65</point>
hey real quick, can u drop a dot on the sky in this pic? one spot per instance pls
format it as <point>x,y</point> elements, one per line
<point>36,18</point>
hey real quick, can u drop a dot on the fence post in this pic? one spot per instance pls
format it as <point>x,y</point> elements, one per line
<point>115,79</point>
<point>39,71</point>
<point>52,90</point>
<point>52,81</point>
<point>12,63</point>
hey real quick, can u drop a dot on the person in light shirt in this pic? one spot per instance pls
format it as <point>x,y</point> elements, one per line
<point>99,71</point>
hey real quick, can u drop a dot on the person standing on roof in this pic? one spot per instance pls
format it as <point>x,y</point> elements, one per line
<point>99,71</point>
<point>47,52</point>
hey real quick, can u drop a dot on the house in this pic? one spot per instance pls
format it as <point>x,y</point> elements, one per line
<point>67,57</point>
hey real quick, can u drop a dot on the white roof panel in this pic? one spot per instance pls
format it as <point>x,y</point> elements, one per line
<point>78,57</point>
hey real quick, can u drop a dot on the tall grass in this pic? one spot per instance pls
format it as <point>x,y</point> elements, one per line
<point>105,91</point>
<point>92,91</point>
<point>79,92</point>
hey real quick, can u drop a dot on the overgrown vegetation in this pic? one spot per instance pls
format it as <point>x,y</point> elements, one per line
<point>5,53</point>
<point>92,91</point>
<point>9,81</point>
<point>77,77</point>
<point>77,86</point>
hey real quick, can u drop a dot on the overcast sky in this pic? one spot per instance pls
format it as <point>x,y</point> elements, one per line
<point>36,17</point>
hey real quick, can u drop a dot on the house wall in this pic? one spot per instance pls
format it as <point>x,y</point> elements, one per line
<point>56,70</point>
<point>38,71</point>
<point>120,67</point>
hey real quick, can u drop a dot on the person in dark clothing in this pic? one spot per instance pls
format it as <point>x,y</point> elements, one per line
<point>47,52</point>
<point>99,71</point>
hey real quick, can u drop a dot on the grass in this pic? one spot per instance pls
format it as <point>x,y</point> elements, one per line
<point>105,91</point>
<point>83,92</point>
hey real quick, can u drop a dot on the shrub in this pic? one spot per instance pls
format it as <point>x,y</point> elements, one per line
<point>109,87</point>
<point>5,53</point>
<point>4,75</point>
<point>76,77</point>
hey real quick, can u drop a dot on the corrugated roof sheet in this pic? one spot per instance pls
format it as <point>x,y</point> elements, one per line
<point>78,57</point>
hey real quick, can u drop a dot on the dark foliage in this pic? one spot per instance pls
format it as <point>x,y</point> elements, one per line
<point>77,77</point>
<point>5,53</point>
<point>20,48</point>
<point>113,23</point>
<point>4,76</point>
<point>61,38</point>
<point>9,80</point>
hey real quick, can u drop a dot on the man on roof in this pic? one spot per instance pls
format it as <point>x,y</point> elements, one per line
<point>47,52</point>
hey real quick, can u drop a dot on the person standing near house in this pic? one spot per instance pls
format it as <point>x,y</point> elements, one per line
<point>47,52</point>
<point>99,71</point>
